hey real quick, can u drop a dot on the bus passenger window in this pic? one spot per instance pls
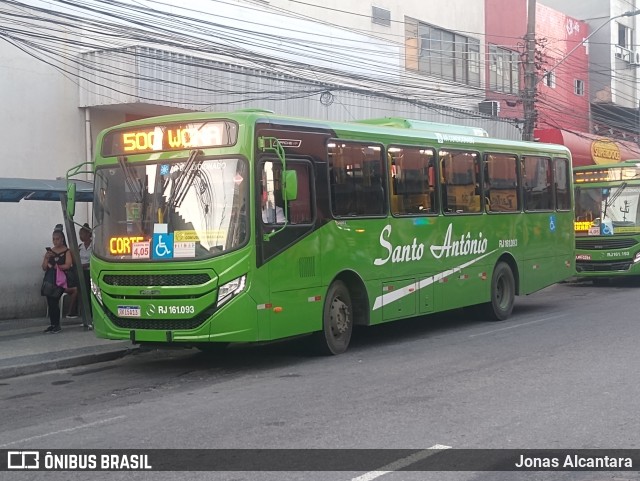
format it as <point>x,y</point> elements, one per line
<point>536,177</point>
<point>501,183</point>
<point>413,180</point>
<point>562,184</point>
<point>357,180</point>
<point>460,186</point>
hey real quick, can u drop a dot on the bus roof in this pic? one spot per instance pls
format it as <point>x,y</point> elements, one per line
<point>400,129</point>
<point>402,123</point>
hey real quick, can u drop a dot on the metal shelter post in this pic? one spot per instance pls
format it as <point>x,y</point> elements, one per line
<point>83,295</point>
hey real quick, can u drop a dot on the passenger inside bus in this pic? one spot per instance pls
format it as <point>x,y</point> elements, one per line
<point>271,213</point>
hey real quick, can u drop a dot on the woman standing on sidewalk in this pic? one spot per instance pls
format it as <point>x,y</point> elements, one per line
<point>58,255</point>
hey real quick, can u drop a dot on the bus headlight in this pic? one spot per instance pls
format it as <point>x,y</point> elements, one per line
<point>96,291</point>
<point>230,289</point>
<point>636,258</point>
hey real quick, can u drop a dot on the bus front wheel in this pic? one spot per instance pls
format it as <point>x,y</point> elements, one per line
<point>337,321</point>
<point>503,291</point>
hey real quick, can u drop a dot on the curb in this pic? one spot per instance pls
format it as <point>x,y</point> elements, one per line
<point>63,360</point>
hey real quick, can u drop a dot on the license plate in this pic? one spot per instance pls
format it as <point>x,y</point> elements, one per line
<point>128,311</point>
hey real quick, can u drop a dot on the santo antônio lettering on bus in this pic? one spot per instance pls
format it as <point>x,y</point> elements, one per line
<point>466,244</point>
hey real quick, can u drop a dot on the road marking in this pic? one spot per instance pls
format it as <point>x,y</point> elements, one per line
<point>401,463</point>
<point>518,325</point>
<point>68,430</point>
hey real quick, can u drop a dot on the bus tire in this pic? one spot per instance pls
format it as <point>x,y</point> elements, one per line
<point>337,321</point>
<point>503,291</point>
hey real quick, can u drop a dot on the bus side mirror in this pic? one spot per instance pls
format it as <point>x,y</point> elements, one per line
<point>290,183</point>
<point>71,199</point>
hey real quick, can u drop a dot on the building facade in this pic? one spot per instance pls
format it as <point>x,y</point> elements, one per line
<point>561,64</point>
<point>614,65</point>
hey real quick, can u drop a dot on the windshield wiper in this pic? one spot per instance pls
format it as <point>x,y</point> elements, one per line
<point>132,181</point>
<point>185,179</point>
<point>609,202</point>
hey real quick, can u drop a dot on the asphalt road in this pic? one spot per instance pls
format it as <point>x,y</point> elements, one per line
<point>562,373</point>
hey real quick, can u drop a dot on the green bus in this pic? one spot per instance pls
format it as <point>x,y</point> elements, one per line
<point>214,228</point>
<point>607,225</point>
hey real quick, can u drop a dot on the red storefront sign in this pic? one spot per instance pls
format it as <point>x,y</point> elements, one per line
<point>589,149</point>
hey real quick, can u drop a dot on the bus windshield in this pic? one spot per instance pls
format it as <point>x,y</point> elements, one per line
<point>608,210</point>
<point>187,209</point>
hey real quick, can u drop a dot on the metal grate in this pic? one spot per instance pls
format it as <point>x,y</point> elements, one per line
<point>605,243</point>
<point>306,266</point>
<point>156,280</point>
<point>603,266</point>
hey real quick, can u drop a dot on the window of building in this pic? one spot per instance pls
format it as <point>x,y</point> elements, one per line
<point>442,53</point>
<point>504,70</point>
<point>357,179</point>
<point>413,180</point>
<point>550,79</point>
<point>578,87</point>
<point>625,36</point>
<point>381,16</point>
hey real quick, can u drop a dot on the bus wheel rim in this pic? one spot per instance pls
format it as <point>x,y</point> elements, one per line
<point>500,292</point>
<point>339,315</point>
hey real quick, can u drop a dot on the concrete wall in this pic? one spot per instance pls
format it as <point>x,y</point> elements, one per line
<point>42,136</point>
<point>458,15</point>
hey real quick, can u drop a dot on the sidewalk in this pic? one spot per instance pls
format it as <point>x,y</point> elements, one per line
<point>24,349</point>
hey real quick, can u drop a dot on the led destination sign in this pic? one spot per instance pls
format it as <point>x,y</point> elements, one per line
<point>618,172</point>
<point>167,137</point>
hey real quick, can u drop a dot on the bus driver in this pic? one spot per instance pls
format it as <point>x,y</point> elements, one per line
<point>271,214</point>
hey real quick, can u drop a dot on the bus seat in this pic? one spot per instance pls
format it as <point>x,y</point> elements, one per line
<point>503,200</point>
<point>344,199</point>
<point>370,199</point>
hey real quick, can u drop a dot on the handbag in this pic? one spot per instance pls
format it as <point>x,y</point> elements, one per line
<point>61,278</point>
<point>49,287</point>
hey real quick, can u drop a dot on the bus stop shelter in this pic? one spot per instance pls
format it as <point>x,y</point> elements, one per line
<point>17,190</point>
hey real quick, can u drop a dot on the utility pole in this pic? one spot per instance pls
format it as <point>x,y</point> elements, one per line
<point>530,81</point>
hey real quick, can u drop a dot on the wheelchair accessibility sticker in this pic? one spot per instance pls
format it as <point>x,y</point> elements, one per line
<point>552,223</point>
<point>162,246</point>
<point>606,227</point>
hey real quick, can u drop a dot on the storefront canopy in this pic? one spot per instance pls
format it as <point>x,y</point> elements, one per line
<point>15,190</point>
<point>589,149</point>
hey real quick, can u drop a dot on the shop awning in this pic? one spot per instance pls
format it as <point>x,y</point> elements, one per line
<point>589,149</point>
<point>16,189</point>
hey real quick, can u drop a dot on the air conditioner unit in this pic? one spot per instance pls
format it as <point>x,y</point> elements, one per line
<point>489,107</point>
<point>634,58</point>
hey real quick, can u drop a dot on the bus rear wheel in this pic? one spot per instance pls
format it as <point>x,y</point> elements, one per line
<point>503,291</point>
<point>337,321</point>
